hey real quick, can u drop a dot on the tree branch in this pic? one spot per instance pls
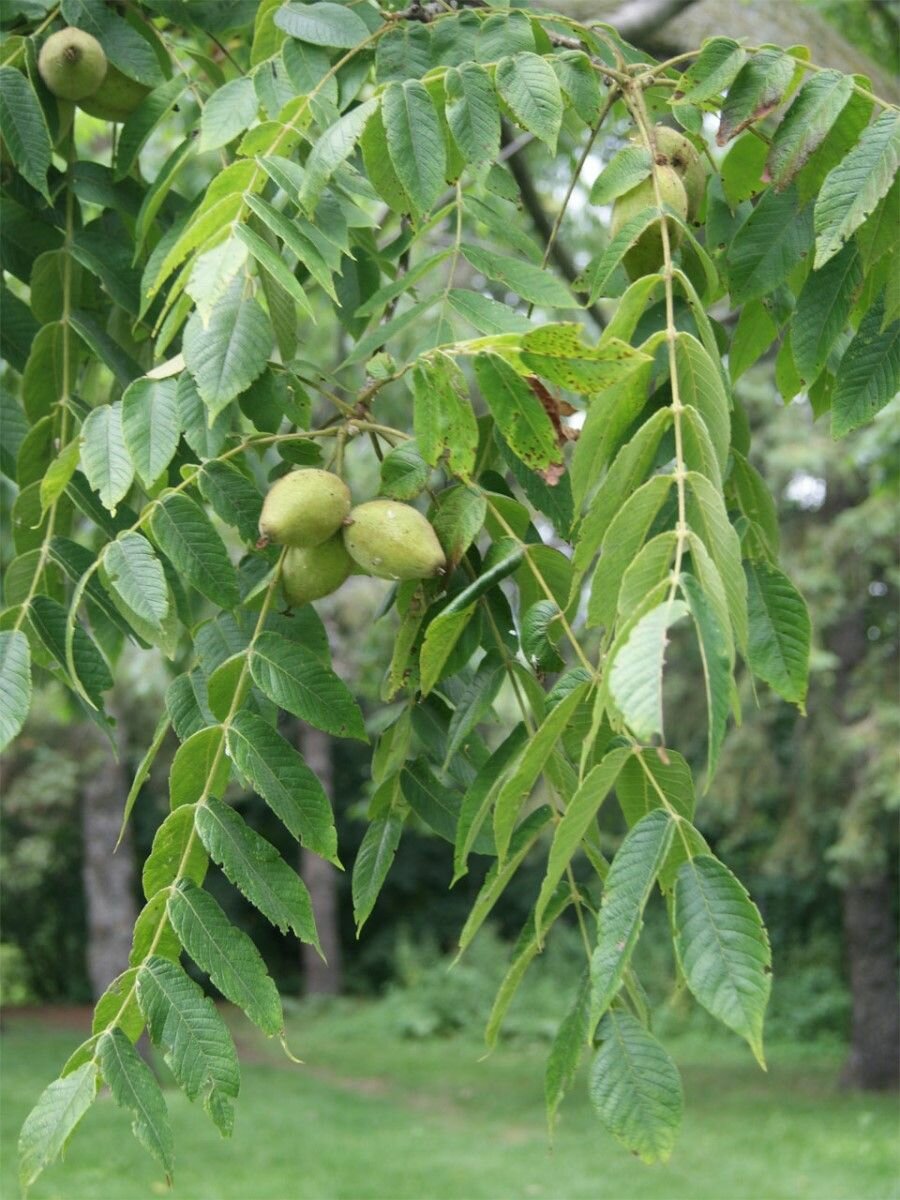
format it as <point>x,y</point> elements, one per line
<point>635,19</point>
<point>542,222</point>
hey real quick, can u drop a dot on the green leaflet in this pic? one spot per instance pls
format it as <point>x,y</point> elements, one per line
<point>580,812</point>
<point>755,500</point>
<point>566,1049</point>
<point>194,1039</point>
<point>227,113</point>
<point>415,141</point>
<point>636,671</point>
<point>118,1007</point>
<point>15,683</point>
<point>485,315</point>
<point>48,619</point>
<point>233,497</point>
<point>806,123</point>
<point>474,705</point>
<point>298,681</point>
<point>535,284</point>
<point>277,270</point>
<point>636,785</point>
<point>332,149</point>
<point>708,518</point>
<point>443,419</point>
<point>519,414</point>
<point>529,86</point>
<point>279,774</point>
<point>134,1087</point>
<point>478,796</point>
<point>852,190</point>
<point>136,575</point>
<point>869,373</point>
<point>256,869</point>
<point>713,641</point>
<point>823,308</point>
<point>711,71</point>
<point>104,455</point>
<point>625,170</point>
<point>757,89</point>
<point>629,468</point>
<point>472,113</point>
<point>650,567</point>
<point>771,242</point>
<point>200,768</point>
<point>626,891</point>
<point>295,236</point>
<point>25,129</point>
<point>526,949</point>
<point>780,631</point>
<point>185,533</point>
<point>440,640</point>
<point>529,766</point>
<point>499,876</point>
<point>52,1121</point>
<point>700,385</point>
<point>322,24</point>
<point>625,534</point>
<point>404,472</point>
<point>438,804</point>
<point>722,947</point>
<point>141,123</point>
<point>372,863</point>
<point>226,954</point>
<point>176,853</point>
<point>579,83</point>
<point>635,1088</point>
<point>227,354</point>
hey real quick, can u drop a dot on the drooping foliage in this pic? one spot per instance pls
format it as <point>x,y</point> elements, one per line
<point>296,177</point>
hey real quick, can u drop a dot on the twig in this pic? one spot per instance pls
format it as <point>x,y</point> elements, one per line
<point>544,225</point>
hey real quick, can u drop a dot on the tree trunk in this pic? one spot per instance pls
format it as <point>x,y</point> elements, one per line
<point>321,978</point>
<point>108,878</point>
<point>874,1059</point>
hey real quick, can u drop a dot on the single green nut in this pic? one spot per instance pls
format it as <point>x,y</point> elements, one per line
<point>393,541</point>
<point>681,154</point>
<point>116,98</point>
<point>304,508</point>
<point>646,255</point>
<point>311,572</point>
<point>72,64</point>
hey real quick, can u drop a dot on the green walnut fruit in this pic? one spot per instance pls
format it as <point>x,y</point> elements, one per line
<point>116,98</point>
<point>72,64</point>
<point>393,541</point>
<point>683,156</point>
<point>646,255</point>
<point>304,508</point>
<point>311,572</point>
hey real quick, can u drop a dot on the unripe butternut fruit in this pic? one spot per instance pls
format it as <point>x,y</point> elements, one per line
<point>393,541</point>
<point>116,98</point>
<point>646,255</point>
<point>72,64</point>
<point>304,508</point>
<point>684,157</point>
<point>311,572</point>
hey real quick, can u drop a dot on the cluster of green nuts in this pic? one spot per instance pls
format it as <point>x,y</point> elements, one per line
<point>74,67</point>
<point>682,185</point>
<point>310,511</point>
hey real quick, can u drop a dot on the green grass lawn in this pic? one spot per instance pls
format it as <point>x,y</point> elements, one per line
<point>372,1117</point>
